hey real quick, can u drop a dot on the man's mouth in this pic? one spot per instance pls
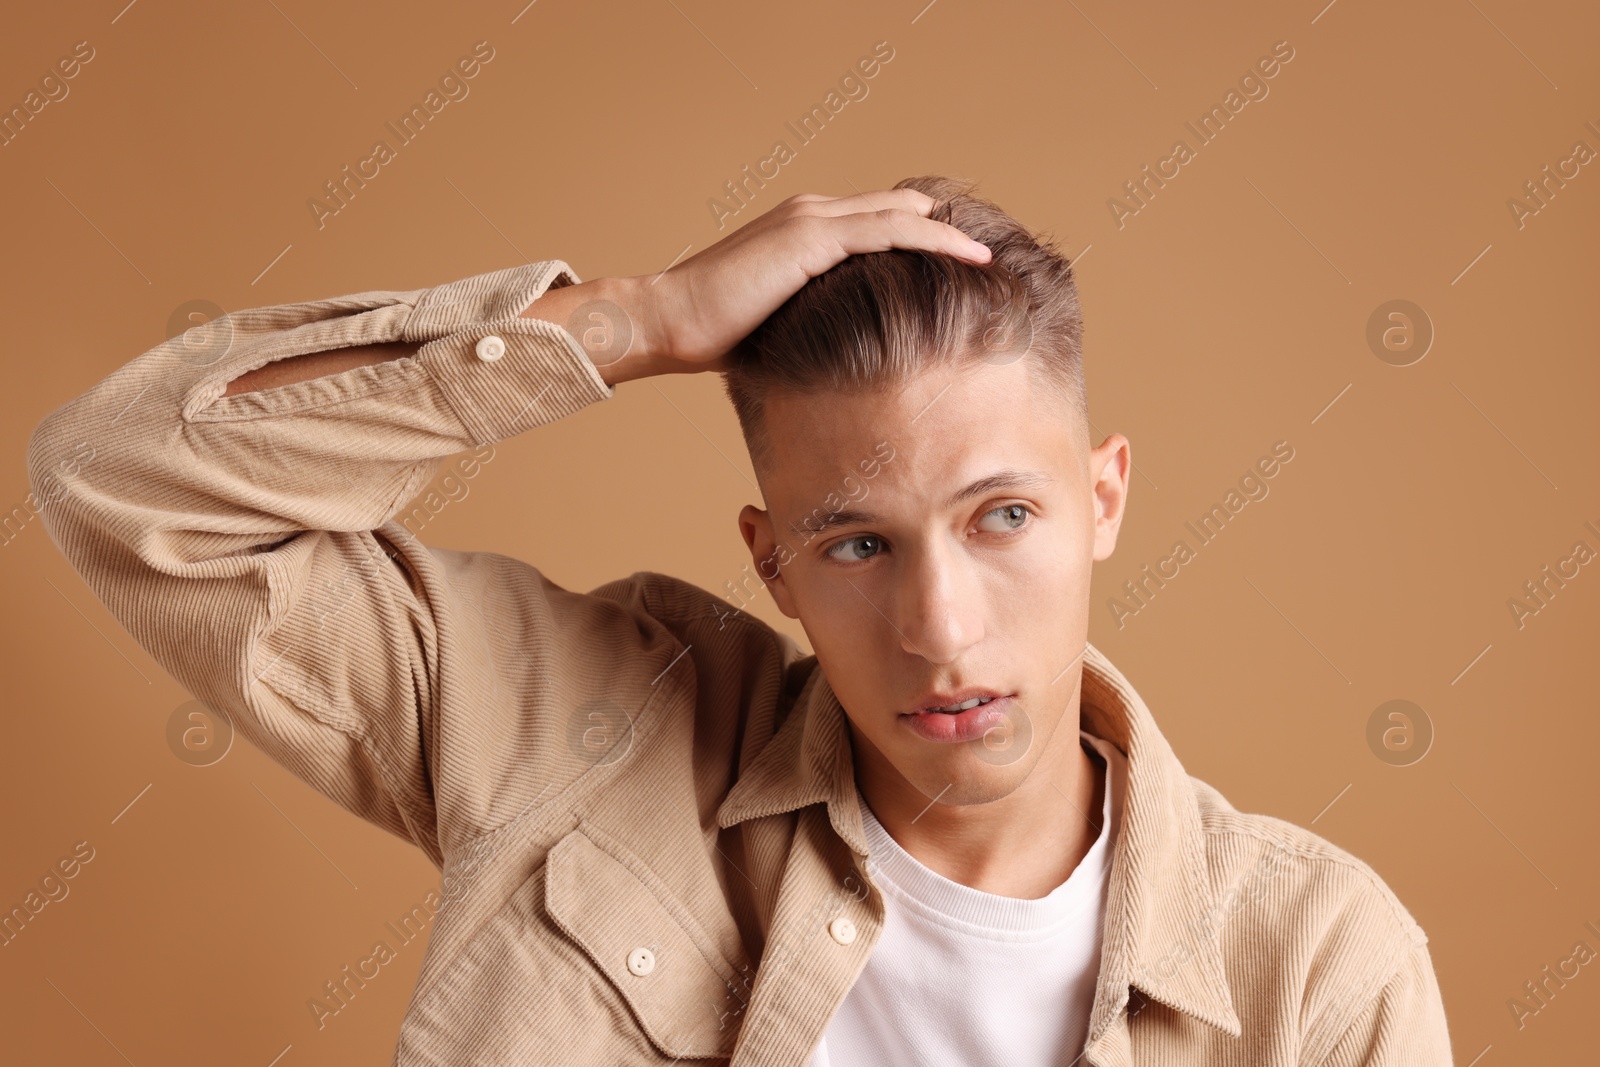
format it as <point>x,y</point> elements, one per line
<point>975,702</point>
<point>961,720</point>
<point>955,701</point>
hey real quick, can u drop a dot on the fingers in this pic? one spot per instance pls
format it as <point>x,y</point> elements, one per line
<point>908,199</point>
<point>892,227</point>
<point>888,218</point>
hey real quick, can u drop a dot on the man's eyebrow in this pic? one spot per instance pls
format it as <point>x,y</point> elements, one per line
<point>1008,478</point>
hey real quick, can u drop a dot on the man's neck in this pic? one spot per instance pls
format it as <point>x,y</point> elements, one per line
<point>1022,845</point>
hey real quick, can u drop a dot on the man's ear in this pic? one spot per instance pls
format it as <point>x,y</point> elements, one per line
<point>768,556</point>
<point>1109,467</point>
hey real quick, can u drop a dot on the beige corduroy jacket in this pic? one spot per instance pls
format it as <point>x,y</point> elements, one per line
<point>638,767</point>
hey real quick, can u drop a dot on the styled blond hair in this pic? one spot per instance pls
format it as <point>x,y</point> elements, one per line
<point>876,319</point>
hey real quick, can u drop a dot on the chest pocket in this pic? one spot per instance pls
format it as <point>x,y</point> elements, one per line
<point>685,995</point>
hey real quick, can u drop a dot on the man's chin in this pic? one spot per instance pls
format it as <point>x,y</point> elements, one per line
<point>965,779</point>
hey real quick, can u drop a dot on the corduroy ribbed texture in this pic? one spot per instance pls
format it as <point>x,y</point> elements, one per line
<point>633,767</point>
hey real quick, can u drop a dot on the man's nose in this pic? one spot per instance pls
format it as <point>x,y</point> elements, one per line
<point>939,605</point>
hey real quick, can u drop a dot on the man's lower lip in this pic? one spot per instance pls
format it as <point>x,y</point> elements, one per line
<point>949,727</point>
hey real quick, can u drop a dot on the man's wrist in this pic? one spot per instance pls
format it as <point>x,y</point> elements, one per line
<point>613,322</point>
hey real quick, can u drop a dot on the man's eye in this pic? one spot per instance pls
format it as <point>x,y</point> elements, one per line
<point>868,547</point>
<point>865,546</point>
<point>1011,515</point>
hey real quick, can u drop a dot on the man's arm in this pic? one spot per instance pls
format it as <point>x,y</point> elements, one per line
<point>248,542</point>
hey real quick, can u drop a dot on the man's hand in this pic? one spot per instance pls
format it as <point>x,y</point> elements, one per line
<point>689,318</point>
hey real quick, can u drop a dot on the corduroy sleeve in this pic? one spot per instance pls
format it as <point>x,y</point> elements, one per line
<point>1403,1026</point>
<point>247,542</point>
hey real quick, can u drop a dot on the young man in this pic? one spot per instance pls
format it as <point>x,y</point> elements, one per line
<point>953,834</point>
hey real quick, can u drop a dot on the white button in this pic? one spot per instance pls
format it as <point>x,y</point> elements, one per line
<point>843,930</point>
<point>641,961</point>
<point>490,348</point>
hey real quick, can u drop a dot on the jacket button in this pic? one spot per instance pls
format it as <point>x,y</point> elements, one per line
<point>842,930</point>
<point>641,961</point>
<point>490,348</point>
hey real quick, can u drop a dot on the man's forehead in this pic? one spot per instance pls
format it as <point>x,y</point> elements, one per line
<point>824,429</point>
<point>931,438</point>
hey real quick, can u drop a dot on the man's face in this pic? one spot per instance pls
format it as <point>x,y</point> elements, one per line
<point>936,584</point>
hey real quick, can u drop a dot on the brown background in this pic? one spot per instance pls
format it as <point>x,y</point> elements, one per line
<point>1224,316</point>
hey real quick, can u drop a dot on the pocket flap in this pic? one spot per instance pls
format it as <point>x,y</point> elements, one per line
<point>684,998</point>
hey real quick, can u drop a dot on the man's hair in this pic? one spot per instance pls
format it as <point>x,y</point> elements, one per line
<point>878,318</point>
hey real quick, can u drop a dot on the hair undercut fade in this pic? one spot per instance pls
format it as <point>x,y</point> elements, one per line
<point>878,318</point>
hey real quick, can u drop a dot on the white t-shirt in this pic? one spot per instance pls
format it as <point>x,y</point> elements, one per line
<point>961,976</point>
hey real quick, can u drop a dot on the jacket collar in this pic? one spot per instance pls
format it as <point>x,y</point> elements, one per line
<point>1159,934</point>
